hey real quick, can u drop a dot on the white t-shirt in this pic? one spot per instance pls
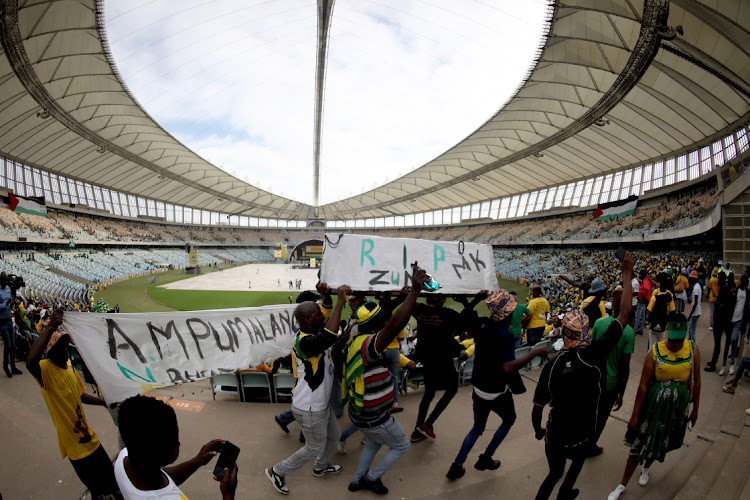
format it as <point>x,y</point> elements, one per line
<point>739,307</point>
<point>634,283</point>
<point>130,492</point>
<point>697,294</point>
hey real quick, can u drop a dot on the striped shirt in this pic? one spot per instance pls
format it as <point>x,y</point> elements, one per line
<point>378,396</point>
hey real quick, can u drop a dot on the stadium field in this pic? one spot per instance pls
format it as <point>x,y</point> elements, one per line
<point>147,293</point>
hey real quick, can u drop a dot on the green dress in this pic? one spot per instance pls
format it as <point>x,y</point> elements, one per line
<point>666,407</point>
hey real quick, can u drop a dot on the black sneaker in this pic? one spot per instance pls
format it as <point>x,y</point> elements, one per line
<point>417,436</point>
<point>281,424</point>
<point>376,486</point>
<point>16,371</point>
<point>594,451</point>
<point>710,368</point>
<point>486,462</point>
<point>456,471</point>
<point>7,371</point>
<point>277,481</point>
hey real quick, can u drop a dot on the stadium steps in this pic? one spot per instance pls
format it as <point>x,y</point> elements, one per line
<point>71,277</point>
<point>220,258</point>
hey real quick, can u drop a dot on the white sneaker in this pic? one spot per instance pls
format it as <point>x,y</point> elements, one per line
<point>722,371</point>
<point>643,480</point>
<point>341,448</point>
<point>615,495</point>
<point>710,328</point>
<point>732,370</point>
<point>747,412</point>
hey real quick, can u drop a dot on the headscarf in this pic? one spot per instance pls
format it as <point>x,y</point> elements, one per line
<point>575,328</point>
<point>501,304</point>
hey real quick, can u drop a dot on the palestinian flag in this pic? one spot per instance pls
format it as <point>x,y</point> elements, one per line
<point>33,205</point>
<point>606,211</point>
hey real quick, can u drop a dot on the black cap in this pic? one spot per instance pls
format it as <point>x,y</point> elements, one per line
<point>307,296</point>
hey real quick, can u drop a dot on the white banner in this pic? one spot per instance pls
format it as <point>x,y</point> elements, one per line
<point>131,354</point>
<point>380,264</point>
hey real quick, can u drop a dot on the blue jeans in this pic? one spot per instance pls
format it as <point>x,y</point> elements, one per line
<point>335,401</point>
<point>693,326</point>
<point>518,340</point>
<point>534,335</point>
<point>9,342</point>
<point>392,356</point>
<point>640,317</point>
<point>744,365</point>
<point>348,432</point>
<point>321,432</point>
<point>391,434</point>
<point>503,406</point>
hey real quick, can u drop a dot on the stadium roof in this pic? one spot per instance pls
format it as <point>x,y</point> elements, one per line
<point>613,87</point>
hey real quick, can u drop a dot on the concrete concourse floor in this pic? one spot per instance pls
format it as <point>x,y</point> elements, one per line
<point>32,468</point>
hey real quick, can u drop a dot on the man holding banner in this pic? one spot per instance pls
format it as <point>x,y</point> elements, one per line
<point>368,386</point>
<point>64,392</point>
<point>312,393</point>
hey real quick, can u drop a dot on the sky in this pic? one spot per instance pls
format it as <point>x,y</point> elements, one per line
<point>233,80</point>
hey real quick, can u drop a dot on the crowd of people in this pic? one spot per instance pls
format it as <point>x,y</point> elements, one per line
<point>689,209</point>
<point>352,364</point>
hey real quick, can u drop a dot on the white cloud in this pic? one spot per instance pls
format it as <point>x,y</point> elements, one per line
<point>406,80</point>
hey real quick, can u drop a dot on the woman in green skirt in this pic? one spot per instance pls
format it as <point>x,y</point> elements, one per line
<point>669,383</point>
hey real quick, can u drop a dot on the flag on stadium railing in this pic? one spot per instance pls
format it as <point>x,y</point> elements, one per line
<point>606,211</point>
<point>33,205</point>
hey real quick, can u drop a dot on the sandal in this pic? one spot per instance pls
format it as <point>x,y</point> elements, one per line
<point>729,389</point>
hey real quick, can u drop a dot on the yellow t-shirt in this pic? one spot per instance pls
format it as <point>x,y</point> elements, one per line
<point>395,342</point>
<point>548,328</point>
<point>539,307</point>
<point>402,360</point>
<point>62,392</point>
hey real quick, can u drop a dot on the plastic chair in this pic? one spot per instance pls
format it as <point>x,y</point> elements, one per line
<point>254,380</point>
<point>225,384</point>
<point>414,377</point>
<point>523,351</point>
<point>467,367</point>
<point>283,383</point>
<point>537,360</point>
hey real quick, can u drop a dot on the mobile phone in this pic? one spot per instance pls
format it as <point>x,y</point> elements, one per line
<point>620,253</point>
<point>227,459</point>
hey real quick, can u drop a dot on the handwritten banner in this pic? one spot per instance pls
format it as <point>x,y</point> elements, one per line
<point>131,354</point>
<point>381,264</point>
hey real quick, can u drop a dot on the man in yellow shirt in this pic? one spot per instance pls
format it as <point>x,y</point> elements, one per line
<point>538,310</point>
<point>64,392</point>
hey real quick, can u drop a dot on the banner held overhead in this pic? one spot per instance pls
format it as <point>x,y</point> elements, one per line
<point>381,264</point>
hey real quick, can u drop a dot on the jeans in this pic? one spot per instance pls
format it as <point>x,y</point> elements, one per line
<point>654,337</point>
<point>321,434</point>
<point>393,357</point>
<point>720,328</point>
<point>556,458</point>
<point>9,342</point>
<point>335,401</point>
<point>518,341</point>
<point>287,417</point>
<point>503,406</point>
<point>348,432</point>
<point>735,328</point>
<point>744,365</point>
<point>389,433</point>
<point>712,306</point>
<point>534,335</point>
<point>640,317</point>
<point>693,326</point>
<point>679,305</point>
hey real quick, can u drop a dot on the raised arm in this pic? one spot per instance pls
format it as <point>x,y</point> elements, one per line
<point>37,348</point>
<point>401,317</point>
<point>626,303</point>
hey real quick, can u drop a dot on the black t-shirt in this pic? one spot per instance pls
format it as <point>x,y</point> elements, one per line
<point>572,385</point>
<point>494,347</point>
<point>436,330</point>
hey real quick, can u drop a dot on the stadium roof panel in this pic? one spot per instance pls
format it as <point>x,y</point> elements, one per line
<point>610,90</point>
